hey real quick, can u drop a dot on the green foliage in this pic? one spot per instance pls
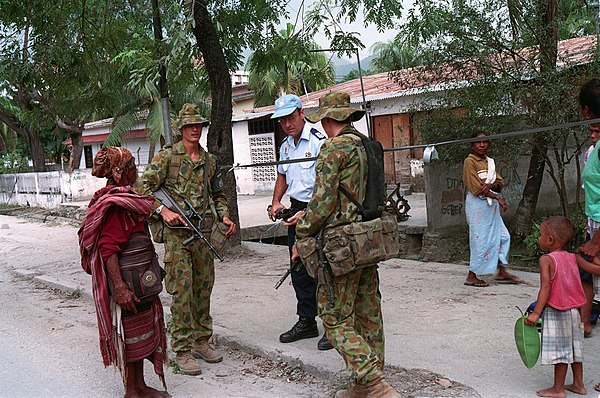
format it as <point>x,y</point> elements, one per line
<point>13,162</point>
<point>287,65</point>
<point>527,339</point>
<point>324,17</point>
<point>395,54</point>
<point>531,241</point>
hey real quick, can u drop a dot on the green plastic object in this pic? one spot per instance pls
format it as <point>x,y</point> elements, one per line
<point>528,341</point>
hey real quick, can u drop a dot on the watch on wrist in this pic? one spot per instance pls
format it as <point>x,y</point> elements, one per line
<point>159,209</point>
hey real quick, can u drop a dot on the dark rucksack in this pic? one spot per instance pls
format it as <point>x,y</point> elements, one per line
<point>374,202</point>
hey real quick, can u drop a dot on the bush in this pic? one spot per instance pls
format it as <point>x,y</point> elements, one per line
<point>579,223</point>
<point>12,162</point>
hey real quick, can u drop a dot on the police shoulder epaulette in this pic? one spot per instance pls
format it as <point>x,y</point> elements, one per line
<point>283,140</point>
<point>318,134</point>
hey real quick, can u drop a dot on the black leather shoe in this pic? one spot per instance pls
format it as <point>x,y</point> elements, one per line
<point>324,344</point>
<point>305,328</point>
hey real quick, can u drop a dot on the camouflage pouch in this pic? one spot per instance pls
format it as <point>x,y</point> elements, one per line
<point>366,241</point>
<point>391,237</point>
<point>360,244</point>
<point>308,250</point>
<point>217,236</point>
<point>157,228</point>
<point>338,251</point>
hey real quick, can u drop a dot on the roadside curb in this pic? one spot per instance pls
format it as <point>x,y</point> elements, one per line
<point>223,335</point>
<point>54,283</point>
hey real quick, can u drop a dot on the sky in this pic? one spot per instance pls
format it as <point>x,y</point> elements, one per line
<point>368,35</point>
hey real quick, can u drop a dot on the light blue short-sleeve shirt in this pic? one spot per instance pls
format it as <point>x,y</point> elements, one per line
<point>300,177</point>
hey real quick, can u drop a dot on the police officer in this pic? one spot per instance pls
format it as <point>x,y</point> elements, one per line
<point>352,319</point>
<point>297,180</point>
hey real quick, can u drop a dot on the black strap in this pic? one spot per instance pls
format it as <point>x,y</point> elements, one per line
<point>360,207</point>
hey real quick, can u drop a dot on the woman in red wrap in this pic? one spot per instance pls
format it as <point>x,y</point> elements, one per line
<point>130,330</point>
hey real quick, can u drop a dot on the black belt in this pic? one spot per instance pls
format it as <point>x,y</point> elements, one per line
<point>296,204</point>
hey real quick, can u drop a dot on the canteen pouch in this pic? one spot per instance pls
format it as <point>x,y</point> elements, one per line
<point>308,250</point>
<point>338,251</point>
<point>157,228</point>
<point>391,236</point>
<point>217,236</point>
<point>140,269</point>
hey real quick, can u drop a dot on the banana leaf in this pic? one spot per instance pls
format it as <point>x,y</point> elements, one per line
<point>528,341</point>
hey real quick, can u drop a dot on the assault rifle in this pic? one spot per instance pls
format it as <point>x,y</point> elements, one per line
<point>189,217</point>
<point>294,267</point>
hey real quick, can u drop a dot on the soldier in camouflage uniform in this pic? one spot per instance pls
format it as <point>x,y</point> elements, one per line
<point>353,321</point>
<point>180,170</point>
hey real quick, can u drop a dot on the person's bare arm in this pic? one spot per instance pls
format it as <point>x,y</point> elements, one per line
<point>546,270</point>
<point>281,187</point>
<point>591,267</point>
<point>591,247</point>
<point>121,294</point>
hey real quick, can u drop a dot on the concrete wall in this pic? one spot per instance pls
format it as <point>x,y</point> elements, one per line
<point>445,191</point>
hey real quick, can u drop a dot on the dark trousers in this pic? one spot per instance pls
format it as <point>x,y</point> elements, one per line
<point>304,286</point>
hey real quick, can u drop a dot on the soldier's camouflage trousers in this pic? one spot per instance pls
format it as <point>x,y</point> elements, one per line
<point>354,323</point>
<point>190,279</point>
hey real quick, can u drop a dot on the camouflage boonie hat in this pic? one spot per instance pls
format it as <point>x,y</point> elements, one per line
<point>335,105</point>
<point>189,114</point>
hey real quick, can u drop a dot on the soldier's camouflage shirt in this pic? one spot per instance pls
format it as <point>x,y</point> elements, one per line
<point>337,163</point>
<point>189,183</point>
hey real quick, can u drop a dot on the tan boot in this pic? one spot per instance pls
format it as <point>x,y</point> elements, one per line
<point>204,351</point>
<point>187,363</point>
<point>357,391</point>
<point>381,389</point>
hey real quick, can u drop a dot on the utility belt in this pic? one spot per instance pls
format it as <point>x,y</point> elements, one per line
<point>346,248</point>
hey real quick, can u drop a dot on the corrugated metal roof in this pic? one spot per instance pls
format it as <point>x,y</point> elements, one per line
<point>250,116</point>
<point>406,82</point>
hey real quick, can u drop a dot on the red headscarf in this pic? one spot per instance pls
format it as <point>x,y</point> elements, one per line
<point>110,162</point>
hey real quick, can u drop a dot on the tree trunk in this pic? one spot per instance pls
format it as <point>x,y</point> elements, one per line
<point>219,138</point>
<point>151,150</point>
<point>36,151</point>
<point>521,223</point>
<point>3,146</point>
<point>76,151</point>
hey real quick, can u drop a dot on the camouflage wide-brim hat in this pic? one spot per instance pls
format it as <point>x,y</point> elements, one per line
<point>335,105</point>
<point>189,114</point>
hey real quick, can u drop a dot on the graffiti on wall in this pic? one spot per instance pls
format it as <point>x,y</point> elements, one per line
<point>453,190</point>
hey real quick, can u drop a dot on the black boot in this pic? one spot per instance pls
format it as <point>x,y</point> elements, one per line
<point>305,328</point>
<point>324,343</point>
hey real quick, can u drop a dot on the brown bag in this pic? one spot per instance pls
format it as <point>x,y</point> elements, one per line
<point>140,269</point>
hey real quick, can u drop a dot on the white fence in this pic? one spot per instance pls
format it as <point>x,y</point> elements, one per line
<point>49,189</point>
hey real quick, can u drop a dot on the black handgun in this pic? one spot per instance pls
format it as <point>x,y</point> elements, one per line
<point>281,214</point>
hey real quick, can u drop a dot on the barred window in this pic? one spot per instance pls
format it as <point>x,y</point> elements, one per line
<point>262,149</point>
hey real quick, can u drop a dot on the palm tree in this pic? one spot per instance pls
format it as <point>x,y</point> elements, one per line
<point>287,65</point>
<point>398,53</point>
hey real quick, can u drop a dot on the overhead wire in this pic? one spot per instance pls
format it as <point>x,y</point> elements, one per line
<point>563,126</point>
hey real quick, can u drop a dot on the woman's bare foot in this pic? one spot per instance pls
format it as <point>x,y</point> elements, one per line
<point>577,389</point>
<point>551,392</point>
<point>152,393</point>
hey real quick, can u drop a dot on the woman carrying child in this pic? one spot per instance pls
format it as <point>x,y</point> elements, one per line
<point>559,299</point>
<point>489,240</point>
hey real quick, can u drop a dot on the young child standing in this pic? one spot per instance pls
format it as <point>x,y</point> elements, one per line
<point>560,297</point>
